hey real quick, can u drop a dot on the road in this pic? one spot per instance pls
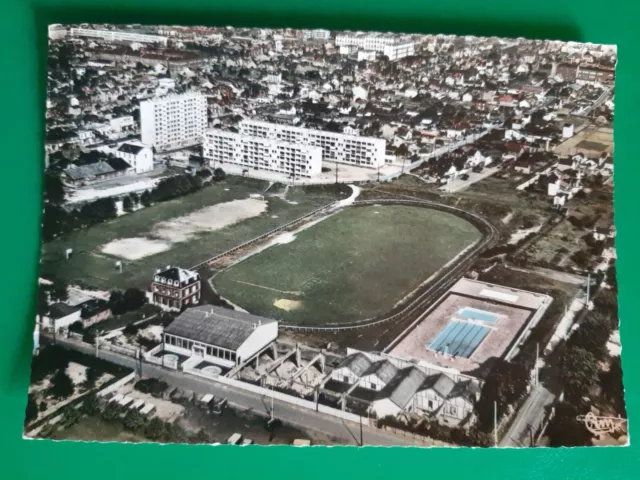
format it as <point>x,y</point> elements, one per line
<point>528,419</point>
<point>346,432</point>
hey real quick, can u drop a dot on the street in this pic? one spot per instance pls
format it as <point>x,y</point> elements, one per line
<point>528,419</point>
<point>346,432</point>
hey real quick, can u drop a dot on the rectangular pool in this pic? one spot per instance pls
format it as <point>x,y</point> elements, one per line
<point>459,338</point>
<point>475,314</point>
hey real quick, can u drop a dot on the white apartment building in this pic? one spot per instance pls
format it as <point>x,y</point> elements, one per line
<point>399,50</point>
<point>294,160</point>
<point>336,147</point>
<point>317,34</point>
<point>375,42</point>
<point>174,121</point>
<point>118,36</point>
<point>57,31</point>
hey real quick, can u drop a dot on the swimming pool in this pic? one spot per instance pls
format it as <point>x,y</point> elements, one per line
<point>459,338</point>
<point>475,314</point>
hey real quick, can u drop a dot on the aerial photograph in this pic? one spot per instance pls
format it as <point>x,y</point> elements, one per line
<point>313,237</point>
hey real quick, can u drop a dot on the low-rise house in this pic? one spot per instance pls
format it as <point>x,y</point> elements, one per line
<point>378,375</point>
<point>62,315</point>
<point>351,368</point>
<point>96,172</point>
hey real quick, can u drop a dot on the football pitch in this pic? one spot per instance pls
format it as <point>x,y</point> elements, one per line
<point>354,265</point>
<point>90,266</point>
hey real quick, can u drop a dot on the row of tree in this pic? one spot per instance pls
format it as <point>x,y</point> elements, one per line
<point>58,221</point>
<point>580,369</point>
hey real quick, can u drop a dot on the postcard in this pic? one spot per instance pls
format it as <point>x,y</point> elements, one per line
<point>314,237</point>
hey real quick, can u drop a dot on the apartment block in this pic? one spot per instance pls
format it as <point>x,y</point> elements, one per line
<point>317,34</point>
<point>399,50</point>
<point>336,147</point>
<point>174,121</point>
<point>295,160</point>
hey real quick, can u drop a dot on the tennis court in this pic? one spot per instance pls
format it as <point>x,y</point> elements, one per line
<point>459,338</point>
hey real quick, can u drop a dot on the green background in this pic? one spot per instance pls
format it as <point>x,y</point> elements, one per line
<point>22,89</point>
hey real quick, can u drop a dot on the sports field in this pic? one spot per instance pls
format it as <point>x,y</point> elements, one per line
<point>183,232</point>
<point>354,265</point>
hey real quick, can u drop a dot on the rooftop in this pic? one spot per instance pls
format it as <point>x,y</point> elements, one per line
<point>217,326</point>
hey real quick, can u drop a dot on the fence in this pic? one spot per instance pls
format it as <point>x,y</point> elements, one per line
<point>263,236</point>
<point>292,400</point>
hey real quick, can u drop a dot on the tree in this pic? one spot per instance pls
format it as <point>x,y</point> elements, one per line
<point>579,371</point>
<point>612,278</point>
<point>581,258</point>
<point>612,386</point>
<point>53,189</point>
<point>76,327</point>
<point>592,335</point>
<point>111,412</point>
<point>71,415</point>
<point>505,384</point>
<point>565,430</point>
<point>92,374</point>
<point>202,436</point>
<point>154,429</point>
<point>145,198</point>
<point>204,173</point>
<point>127,204</point>
<point>42,303</point>
<point>59,292</point>
<point>133,421</point>
<point>61,385</point>
<point>98,211</point>
<point>135,198</point>
<point>134,299</point>
<point>219,174</point>
<point>90,405</point>
<point>31,412</point>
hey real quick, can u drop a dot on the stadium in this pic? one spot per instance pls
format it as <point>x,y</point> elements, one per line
<point>470,324</point>
<point>353,266</point>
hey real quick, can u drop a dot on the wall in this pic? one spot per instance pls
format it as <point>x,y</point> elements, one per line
<point>64,321</point>
<point>293,400</point>
<point>385,407</point>
<point>115,386</point>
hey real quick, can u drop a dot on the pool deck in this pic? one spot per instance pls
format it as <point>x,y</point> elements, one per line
<point>501,333</point>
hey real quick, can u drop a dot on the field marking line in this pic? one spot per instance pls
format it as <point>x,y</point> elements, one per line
<point>269,288</point>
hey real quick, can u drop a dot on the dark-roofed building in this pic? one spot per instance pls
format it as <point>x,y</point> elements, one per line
<point>378,375</point>
<point>437,395</point>
<point>96,172</point>
<point>218,335</point>
<point>351,368</point>
<point>175,288</point>
<point>398,395</point>
<point>61,315</point>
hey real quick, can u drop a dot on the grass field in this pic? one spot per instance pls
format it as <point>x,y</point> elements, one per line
<point>354,265</point>
<point>89,266</point>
